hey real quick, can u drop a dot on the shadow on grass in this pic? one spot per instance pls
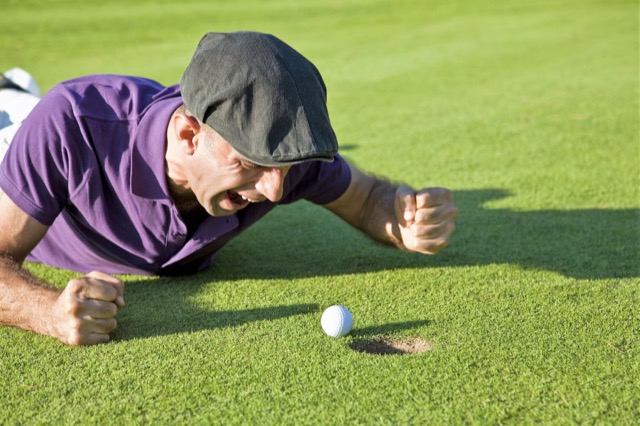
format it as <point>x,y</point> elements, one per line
<point>582,244</point>
<point>162,306</point>
<point>305,241</point>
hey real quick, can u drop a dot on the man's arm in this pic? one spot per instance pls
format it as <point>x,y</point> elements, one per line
<point>83,313</point>
<point>420,221</point>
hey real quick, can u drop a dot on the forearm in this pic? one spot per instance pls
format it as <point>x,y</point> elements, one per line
<point>368,205</point>
<point>25,301</point>
<point>416,221</point>
<point>378,215</point>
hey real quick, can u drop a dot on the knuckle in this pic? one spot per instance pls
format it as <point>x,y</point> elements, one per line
<point>72,307</point>
<point>102,338</point>
<point>432,251</point>
<point>452,227</point>
<point>74,338</point>
<point>405,193</point>
<point>423,199</point>
<point>442,244</point>
<point>74,325</point>
<point>75,285</point>
<point>448,194</point>
<point>95,274</point>
<point>454,212</point>
<point>112,324</point>
<point>436,246</point>
<point>112,310</point>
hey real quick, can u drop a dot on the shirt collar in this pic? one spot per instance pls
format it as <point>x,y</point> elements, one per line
<point>148,167</point>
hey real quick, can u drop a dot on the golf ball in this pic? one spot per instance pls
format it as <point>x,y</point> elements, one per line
<point>336,321</point>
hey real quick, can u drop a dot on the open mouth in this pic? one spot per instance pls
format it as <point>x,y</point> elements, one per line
<point>237,199</point>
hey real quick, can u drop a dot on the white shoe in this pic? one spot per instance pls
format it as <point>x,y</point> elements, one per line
<point>17,99</point>
<point>24,80</point>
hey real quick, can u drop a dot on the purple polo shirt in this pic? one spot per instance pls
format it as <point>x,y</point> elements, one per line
<point>89,163</point>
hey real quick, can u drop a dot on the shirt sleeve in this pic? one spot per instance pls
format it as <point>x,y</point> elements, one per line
<point>35,170</point>
<point>318,181</point>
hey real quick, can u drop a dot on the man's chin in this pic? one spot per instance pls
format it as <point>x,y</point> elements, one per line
<point>226,208</point>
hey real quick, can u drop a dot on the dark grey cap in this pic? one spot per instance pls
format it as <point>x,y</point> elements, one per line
<point>266,99</point>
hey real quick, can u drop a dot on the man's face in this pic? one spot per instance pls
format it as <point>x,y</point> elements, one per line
<point>224,181</point>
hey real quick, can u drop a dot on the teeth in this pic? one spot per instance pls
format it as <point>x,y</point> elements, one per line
<point>246,199</point>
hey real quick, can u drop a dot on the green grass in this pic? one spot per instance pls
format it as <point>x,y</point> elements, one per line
<point>528,110</point>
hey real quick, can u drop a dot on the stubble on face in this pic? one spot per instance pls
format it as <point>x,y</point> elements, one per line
<point>185,202</point>
<point>220,179</point>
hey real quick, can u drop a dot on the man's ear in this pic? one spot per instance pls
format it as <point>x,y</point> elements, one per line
<point>186,128</point>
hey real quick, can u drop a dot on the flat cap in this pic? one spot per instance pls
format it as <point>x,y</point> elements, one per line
<point>266,99</point>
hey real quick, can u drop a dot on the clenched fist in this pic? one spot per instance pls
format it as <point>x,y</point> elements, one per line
<point>426,218</point>
<point>85,312</point>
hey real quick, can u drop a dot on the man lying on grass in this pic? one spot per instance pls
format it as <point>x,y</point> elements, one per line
<point>122,175</point>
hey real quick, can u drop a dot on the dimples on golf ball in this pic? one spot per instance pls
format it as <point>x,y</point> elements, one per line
<point>336,321</point>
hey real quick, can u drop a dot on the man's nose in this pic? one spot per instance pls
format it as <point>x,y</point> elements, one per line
<point>271,183</point>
